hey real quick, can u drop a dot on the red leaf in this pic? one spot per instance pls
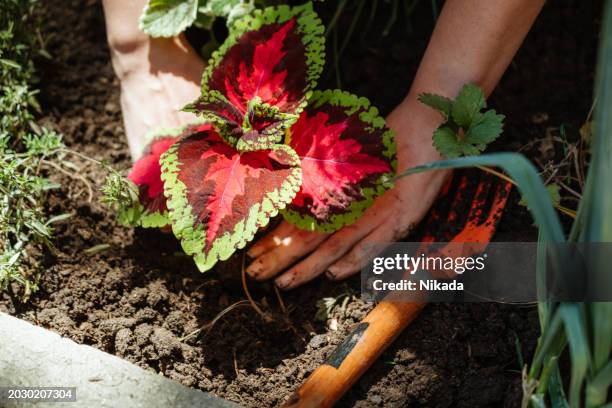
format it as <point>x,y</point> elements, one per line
<point>275,55</point>
<point>343,152</point>
<point>219,197</point>
<point>146,174</point>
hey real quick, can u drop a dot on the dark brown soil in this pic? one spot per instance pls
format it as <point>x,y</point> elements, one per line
<point>141,297</point>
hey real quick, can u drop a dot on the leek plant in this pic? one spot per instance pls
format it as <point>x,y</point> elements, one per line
<point>585,328</point>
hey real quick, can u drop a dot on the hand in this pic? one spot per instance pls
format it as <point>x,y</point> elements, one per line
<point>158,76</point>
<point>392,216</point>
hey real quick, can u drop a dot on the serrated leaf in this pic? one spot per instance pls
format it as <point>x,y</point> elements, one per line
<point>438,102</point>
<point>168,18</point>
<point>467,105</point>
<point>486,128</point>
<point>239,11</point>
<point>150,210</point>
<point>445,141</point>
<point>213,107</point>
<point>470,150</point>
<point>347,154</point>
<point>218,198</point>
<point>275,54</point>
<point>219,8</point>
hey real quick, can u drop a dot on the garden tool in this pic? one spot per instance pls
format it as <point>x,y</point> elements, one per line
<point>385,322</point>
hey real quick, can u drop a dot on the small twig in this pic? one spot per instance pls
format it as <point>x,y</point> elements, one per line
<point>497,173</point>
<point>576,155</point>
<point>392,18</point>
<point>82,156</point>
<point>72,175</point>
<point>566,211</point>
<point>335,17</point>
<point>210,325</point>
<point>569,189</point>
<point>246,290</point>
<point>235,363</point>
<point>280,300</point>
<point>559,207</point>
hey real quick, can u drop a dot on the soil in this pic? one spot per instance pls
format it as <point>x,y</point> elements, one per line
<point>144,301</point>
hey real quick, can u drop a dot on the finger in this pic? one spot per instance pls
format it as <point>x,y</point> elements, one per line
<point>288,252</point>
<point>366,250</point>
<point>271,240</point>
<point>317,262</point>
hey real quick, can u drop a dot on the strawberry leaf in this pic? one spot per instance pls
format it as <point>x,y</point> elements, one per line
<point>347,157</point>
<point>275,54</point>
<point>467,105</point>
<point>445,142</point>
<point>218,8</point>
<point>167,18</point>
<point>218,197</point>
<point>440,103</point>
<point>466,131</point>
<point>485,129</point>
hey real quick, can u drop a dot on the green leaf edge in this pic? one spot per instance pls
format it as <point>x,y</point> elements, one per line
<point>183,220</point>
<point>370,115</point>
<point>136,216</point>
<point>168,32</point>
<point>309,23</point>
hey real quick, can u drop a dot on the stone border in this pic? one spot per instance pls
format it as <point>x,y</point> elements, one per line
<point>31,356</point>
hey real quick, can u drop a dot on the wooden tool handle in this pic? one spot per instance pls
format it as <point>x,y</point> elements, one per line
<point>354,355</point>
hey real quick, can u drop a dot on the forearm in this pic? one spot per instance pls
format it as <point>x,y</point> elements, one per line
<point>473,41</point>
<point>133,50</point>
<point>121,18</point>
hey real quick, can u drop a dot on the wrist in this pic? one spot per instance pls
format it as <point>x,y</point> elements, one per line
<point>142,55</point>
<point>414,125</point>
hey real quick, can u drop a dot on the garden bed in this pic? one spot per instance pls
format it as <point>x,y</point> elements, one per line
<point>142,299</point>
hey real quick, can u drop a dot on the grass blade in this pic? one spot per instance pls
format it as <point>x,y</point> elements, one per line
<point>555,388</point>
<point>602,333</point>
<point>594,220</point>
<point>597,390</point>
<point>573,317</point>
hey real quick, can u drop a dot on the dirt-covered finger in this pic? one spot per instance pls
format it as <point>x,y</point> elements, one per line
<point>328,252</point>
<point>291,249</point>
<point>271,240</point>
<point>365,250</point>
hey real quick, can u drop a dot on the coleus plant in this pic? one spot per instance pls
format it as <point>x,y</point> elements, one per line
<point>268,142</point>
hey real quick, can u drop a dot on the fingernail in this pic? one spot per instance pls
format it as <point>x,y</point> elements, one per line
<point>283,282</point>
<point>255,268</point>
<point>253,251</point>
<point>330,274</point>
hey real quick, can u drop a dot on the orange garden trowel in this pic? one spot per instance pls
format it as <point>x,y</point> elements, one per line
<point>385,322</point>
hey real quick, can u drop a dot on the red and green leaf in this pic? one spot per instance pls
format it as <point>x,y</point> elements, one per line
<point>218,198</point>
<point>275,54</point>
<point>264,126</point>
<point>213,107</point>
<point>150,211</point>
<point>347,158</point>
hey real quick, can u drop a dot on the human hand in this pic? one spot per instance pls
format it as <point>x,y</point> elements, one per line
<point>392,216</point>
<point>158,76</point>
